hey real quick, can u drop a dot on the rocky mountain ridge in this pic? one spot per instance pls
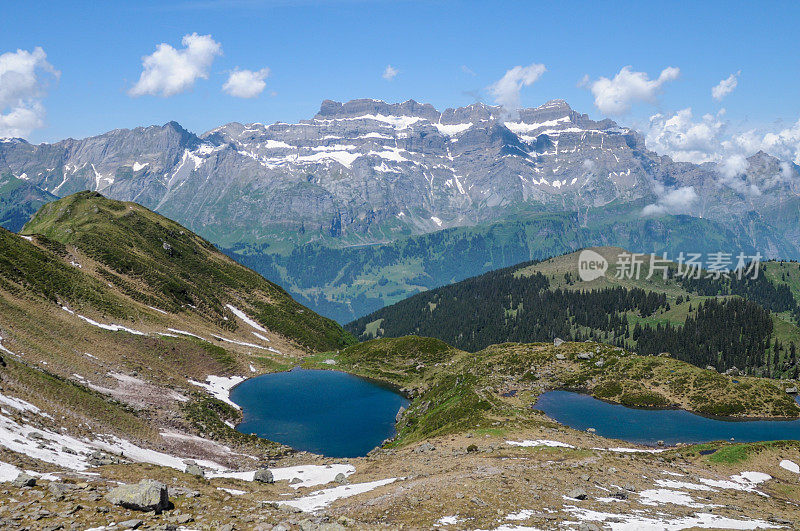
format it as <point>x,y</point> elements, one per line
<point>367,171</point>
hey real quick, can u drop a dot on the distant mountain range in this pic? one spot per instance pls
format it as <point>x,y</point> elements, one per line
<point>371,173</point>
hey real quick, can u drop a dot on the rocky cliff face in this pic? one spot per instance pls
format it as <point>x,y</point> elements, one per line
<point>370,171</point>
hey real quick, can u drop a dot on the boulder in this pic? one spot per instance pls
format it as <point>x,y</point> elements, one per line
<point>560,356</point>
<point>557,342</point>
<point>102,459</point>
<point>264,475</point>
<point>341,479</point>
<point>131,524</point>
<point>400,414</point>
<point>578,494</point>
<point>424,447</point>
<point>24,480</point>
<point>585,355</point>
<point>195,470</point>
<point>147,495</point>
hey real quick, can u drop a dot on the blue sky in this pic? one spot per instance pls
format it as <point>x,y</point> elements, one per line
<point>445,52</point>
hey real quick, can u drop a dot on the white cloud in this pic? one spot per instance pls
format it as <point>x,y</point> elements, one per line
<point>168,71</point>
<point>684,139</point>
<point>784,144</point>
<point>468,70</point>
<point>506,90</point>
<point>671,200</point>
<point>389,73</point>
<point>732,169</point>
<point>246,83</point>
<point>615,96</point>
<point>22,86</point>
<point>726,86</point>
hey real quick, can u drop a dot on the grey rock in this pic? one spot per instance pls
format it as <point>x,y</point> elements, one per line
<point>578,494</point>
<point>791,390</point>
<point>341,479</point>
<point>584,355</point>
<point>147,495</point>
<point>560,356</point>
<point>131,524</point>
<point>195,470</point>
<point>24,480</point>
<point>479,502</point>
<point>424,447</point>
<point>557,342</point>
<point>264,475</point>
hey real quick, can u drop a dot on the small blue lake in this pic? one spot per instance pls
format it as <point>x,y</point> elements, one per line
<point>648,426</point>
<point>326,412</point>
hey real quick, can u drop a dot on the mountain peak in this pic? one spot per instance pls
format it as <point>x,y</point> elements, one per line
<point>555,104</point>
<point>330,109</point>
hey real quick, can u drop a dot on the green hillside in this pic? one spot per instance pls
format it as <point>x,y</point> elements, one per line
<point>750,324</point>
<point>159,263</point>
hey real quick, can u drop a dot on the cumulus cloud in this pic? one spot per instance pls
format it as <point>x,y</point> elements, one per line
<point>685,139</point>
<point>168,71</point>
<point>506,90</point>
<point>783,144</point>
<point>615,96</point>
<point>24,77</point>
<point>390,73</point>
<point>246,83</point>
<point>726,86</point>
<point>671,200</point>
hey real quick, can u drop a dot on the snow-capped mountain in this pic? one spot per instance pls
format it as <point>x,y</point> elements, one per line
<point>368,171</point>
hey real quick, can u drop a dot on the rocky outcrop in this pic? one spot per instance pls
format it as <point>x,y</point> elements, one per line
<point>147,495</point>
<point>264,475</point>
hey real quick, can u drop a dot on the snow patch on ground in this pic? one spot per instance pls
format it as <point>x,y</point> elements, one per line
<point>309,475</point>
<point>261,337</point>
<point>240,343</point>
<point>449,520</point>
<point>539,442</point>
<point>19,404</point>
<point>232,492</point>
<point>185,333</point>
<point>220,387</point>
<point>320,499</point>
<point>675,497</point>
<point>243,316</point>
<point>110,327</point>
<point>791,466</point>
<point>632,450</point>
<point>4,349</point>
<point>635,522</point>
<point>8,472</point>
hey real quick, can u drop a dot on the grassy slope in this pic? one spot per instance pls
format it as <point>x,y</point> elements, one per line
<point>157,262</point>
<point>455,391</point>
